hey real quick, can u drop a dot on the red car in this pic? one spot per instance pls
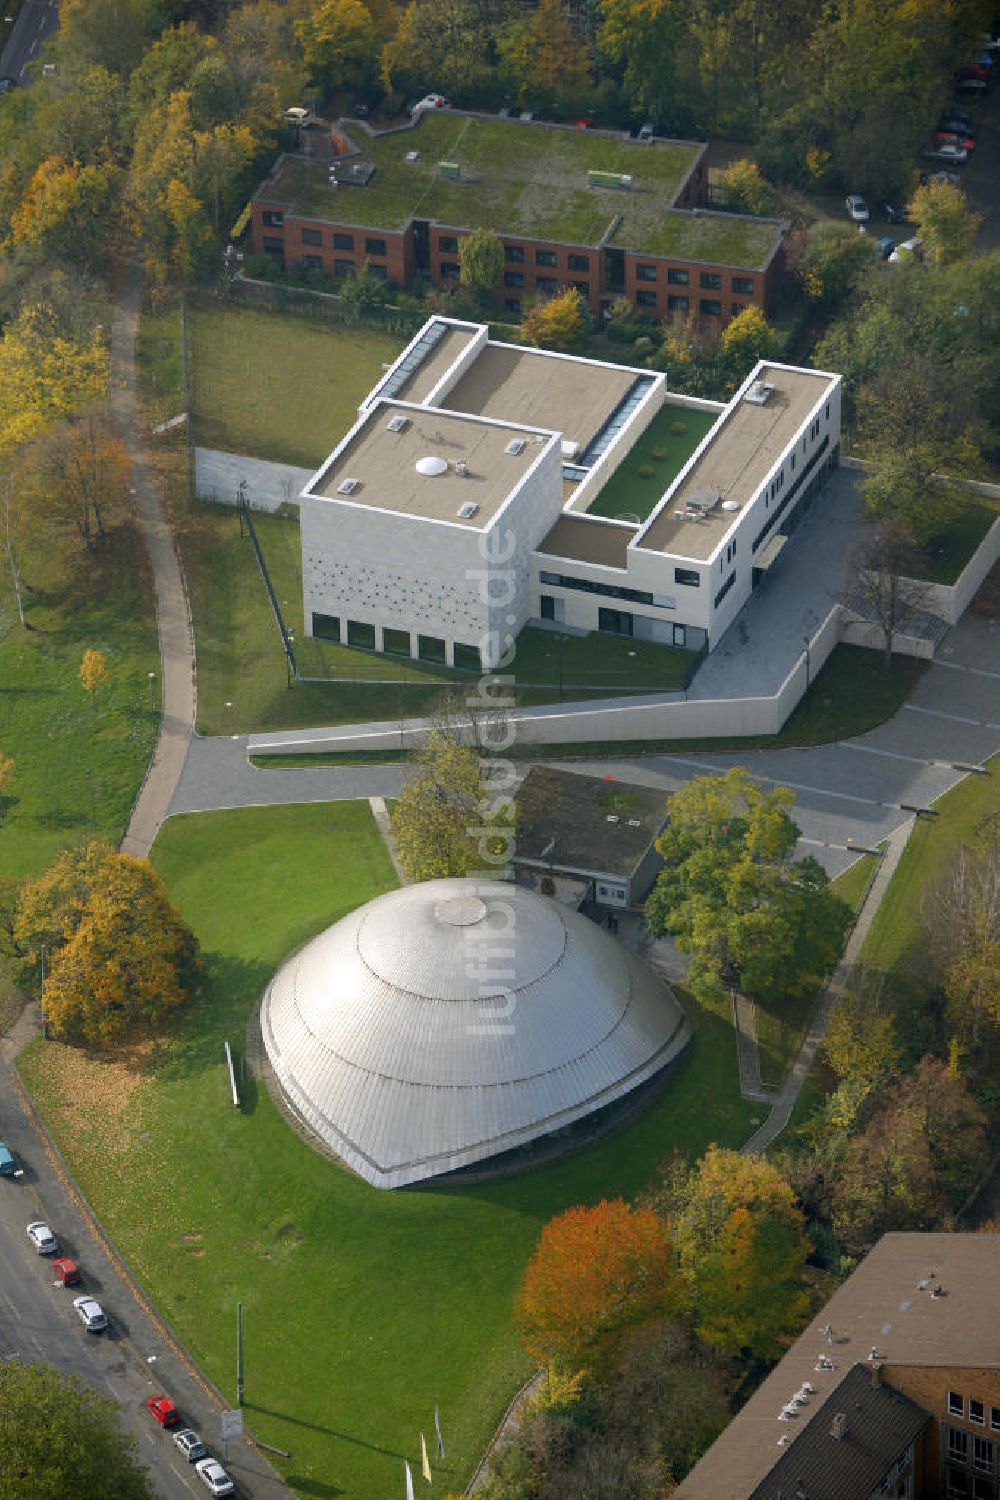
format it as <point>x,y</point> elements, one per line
<point>164,1411</point>
<point>954,138</point>
<point>67,1271</point>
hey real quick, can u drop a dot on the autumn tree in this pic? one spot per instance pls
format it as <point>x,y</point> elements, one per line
<point>544,60</point>
<point>7,764</point>
<point>745,188</point>
<point>116,951</point>
<point>339,43</point>
<point>881,583</point>
<point>440,39</point>
<point>93,673</point>
<point>61,1437</point>
<point>481,262</point>
<point>66,212</point>
<point>741,1251</point>
<point>81,474</point>
<point>559,322</point>
<point>747,338</point>
<point>751,916</point>
<point>961,918</point>
<point>860,1043</point>
<point>641,37</point>
<point>945,222</point>
<point>594,1273</point>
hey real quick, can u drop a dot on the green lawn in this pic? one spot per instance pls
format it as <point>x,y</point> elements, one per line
<point>362,1308</point>
<point>664,447</point>
<point>945,560</point>
<point>279,387</point>
<point>78,767</point>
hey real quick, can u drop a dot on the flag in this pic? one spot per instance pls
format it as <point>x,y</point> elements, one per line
<point>409,1481</point>
<point>425,1463</point>
<point>437,1429</point>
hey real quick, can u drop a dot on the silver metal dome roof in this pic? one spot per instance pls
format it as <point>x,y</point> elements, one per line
<point>446,1022</point>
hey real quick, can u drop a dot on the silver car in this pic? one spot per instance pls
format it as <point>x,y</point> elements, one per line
<point>90,1313</point>
<point>42,1238</point>
<point>190,1444</point>
<point>214,1477</point>
<point>857,209</point>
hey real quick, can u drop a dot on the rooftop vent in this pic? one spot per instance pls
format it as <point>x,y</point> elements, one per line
<point>730,505</point>
<point>634,823</point>
<point>431,466</point>
<point>569,448</point>
<point>412,156</point>
<point>397,424</point>
<point>760,393</point>
<point>703,500</point>
<point>348,486</point>
<point>468,510</point>
<point>462,468</point>
<point>838,1426</point>
<point>599,179</point>
<point>515,446</point>
<point>612,818</point>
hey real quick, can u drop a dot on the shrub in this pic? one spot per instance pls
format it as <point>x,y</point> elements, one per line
<point>678,429</point>
<point>658,455</point>
<point>646,471</point>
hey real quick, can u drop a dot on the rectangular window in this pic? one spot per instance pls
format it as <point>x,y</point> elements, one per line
<point>273,219</point>
<point>958,1444</point>
<point>396,642</point>
<point>995,1418</point>
<point>645,299</point>
<point>725,588</point>
<point>689,577</point>
<point>512,304</point>
<point>743,285</point>
<point>546,607</point>
<point>616,621</point>
<point>957,1482</point>
<point>343,242</point>
<point>583,287</point>
<point>513,278</point>
<point>982,1489</point>
<point>360,634</point>
<point>312,237</point>
<point>710,307</point>
<point>710,281</point>
<point>468,658</point>
<point>676,303</point>
<point>514,253</point>
<point>977,1412</point>
<point>579,262</point>
<point>326,627</point>
<point>545,257</point>
<point>379,271</point>
<point>546,283</point>
<point>274,247</point>
<point>680,635</point>
<point>737,307</point>
<point>645,273</point>
<point>312,262</point>
<point>374,247</point>
<point>448,244</point>
<point>431,648</point>
<point>343,268</point>
<point>606,590</point>
<point>677,277</point>
<point>982,1455</point>
<point>451,270</point>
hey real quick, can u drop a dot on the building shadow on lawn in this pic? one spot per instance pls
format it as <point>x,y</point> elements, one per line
<point>232,987</point>
<point>344,1437</point>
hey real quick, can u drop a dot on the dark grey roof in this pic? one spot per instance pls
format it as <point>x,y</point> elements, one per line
<point>563,822</point>
<point>878,1425</point>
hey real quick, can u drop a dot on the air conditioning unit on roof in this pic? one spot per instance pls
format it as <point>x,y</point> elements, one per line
<point>760,393</point>
<point>348,486</point>
<point>515,446</point>
<point>397,424</point>
<point>467,510</point>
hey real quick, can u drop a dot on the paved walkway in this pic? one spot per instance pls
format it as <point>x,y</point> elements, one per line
<point>173,617</point>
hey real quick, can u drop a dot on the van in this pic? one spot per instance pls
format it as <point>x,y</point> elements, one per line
<point>297,116</point>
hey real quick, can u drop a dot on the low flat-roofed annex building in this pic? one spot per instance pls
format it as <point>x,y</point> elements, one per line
<point>591,209</point>
<point>457,508</point>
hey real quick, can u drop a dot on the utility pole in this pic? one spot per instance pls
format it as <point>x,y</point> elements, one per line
<point>239,1354</point>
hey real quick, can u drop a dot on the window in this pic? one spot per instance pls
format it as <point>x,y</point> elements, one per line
<point>448,244</point>
<point>513,278</point>
<point>958,1482</point>
<point>274,247</point>
<point>431,648</point>
<point>374,247</point>
<point>311,237</point>
<point>343,242</point>
<point>546,606</point>
<point>379,272</point>
<point>360,634</point>
<point>512,304</point>
<point>676,277</point>
<point>606,590</point>
<point>710,281</point>
<point>982,1454</point>
<point>677,303</point>
<point>583,287</point>
<point>617,621</point>
<point>579,262</point>
<point>396,642</point>
<point>725,588</point>
<point>546,283</point>
<point>743,285</point>
<point>737,307</point>
<point>982,1489</point>
<point>545,257</point>
<point>689,577</point>
<point>680,635</point>
<point>451,269</point>
<point>514,253</point>
<point>326,627</point>
<point>958,1444</point>
<point>976,1412</point>
<point>995,1418</point>
<point>273,219</point>
<point>645,299</point>
<point>645,273</point>
<point>343,268</point>
<point>468,658</point>
<point>312,262</point>
<point>710,307</point>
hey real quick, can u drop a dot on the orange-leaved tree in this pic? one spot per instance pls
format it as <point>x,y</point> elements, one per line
<point>595,1272</point>
<point>116,951</point>
<point>93,673</point>
<point>7,764</point>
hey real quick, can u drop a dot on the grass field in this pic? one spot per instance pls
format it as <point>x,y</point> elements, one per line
<point>629,493</point>
<point>278,387</point>
<point>363,1308</point>
<point>945,561</point>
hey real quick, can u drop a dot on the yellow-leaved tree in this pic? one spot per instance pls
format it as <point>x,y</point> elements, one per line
<point>116,951</point>
<point>7,764</point>
<point>93,673</point>
<point>558,323</point>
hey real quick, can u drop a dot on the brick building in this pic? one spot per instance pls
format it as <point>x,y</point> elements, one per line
<point>893,1390</point>
<point>608,215</point>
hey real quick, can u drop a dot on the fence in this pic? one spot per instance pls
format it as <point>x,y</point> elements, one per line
<point>305,302</point>
<point>246,519</point>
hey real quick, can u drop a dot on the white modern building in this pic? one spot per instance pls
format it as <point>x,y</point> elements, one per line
<point>458,507</point>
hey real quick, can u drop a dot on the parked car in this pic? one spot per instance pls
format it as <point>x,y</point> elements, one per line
<point>857,209</point>
<point>970,83</point>
<point>957,121</point>
<point>952,177</point>
<point>975,70</point>
<point>7,83</point>
<point>890,212</point>
<point>214,1477</point>
<point>954,138</point>
<point>908,250</point>
<point>8,1166</point>
<point>67,1271</point>
<point>190,1444</point>
<point>91,1314</point>
<point>164,1411</point>
<point>946,153</point>
<point>297,116</point>
<point>42,1238</point>
<point>430,101</point>
<point>885,246</point>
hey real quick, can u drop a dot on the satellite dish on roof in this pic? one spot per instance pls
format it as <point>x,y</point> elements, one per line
<point>432,465</point>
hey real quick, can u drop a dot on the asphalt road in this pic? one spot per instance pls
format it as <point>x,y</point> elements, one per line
<point>37,20</point>
<point>131,1360</point>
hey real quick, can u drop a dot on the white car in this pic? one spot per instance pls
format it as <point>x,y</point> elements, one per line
<point>90,1313</point>
<point>429,101</point>
<point>214,1477</point>
<point>946,153</point>
<point>857,209</point>
<point>42,1238</point>
<point>190,1444</point>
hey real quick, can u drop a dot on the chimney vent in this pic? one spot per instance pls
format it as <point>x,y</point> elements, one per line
<point>876,1375</point>
<point>838,1427</point>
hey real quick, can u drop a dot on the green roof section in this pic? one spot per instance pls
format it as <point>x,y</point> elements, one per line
<point>526,180</point>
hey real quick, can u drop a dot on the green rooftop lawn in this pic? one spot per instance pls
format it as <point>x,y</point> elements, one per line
<point>629,493</point>
<point>524,179</point>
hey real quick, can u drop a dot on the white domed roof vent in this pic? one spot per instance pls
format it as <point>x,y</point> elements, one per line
<point>432,465</point>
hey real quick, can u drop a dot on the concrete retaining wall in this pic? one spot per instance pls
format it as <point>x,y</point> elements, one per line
<point>217,478</point>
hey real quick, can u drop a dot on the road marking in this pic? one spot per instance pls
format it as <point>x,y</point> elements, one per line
<point>915,760</point>
<point>935,713</point>
<point>954,666</point>
<point>826,844</point>
<point>182,1477</point>
<point>795,786</point>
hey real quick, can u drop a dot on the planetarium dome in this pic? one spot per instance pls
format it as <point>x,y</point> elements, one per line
<point>452,1021</point>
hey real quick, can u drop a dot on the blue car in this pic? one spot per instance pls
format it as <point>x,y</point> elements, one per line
<point>885,246</point>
